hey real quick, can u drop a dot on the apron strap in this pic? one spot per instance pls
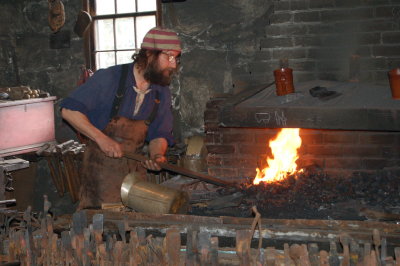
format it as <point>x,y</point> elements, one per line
<point>153,113</point>
<point>120,92</point>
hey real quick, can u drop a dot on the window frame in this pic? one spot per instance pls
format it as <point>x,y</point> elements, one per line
<point>89,36</point>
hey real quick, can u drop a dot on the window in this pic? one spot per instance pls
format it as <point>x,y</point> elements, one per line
<point>118,29</point>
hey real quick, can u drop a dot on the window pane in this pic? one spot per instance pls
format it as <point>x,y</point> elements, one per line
<point>124,57</point>
<point>104,34</point>
<point>125,33</point>
<point>126,6</point>
<point>146,5</point>
<point>104,7</point>
<point>105,59</point>
<point>143,25</point>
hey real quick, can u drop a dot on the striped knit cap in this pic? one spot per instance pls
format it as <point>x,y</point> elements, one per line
<point>161,39</point>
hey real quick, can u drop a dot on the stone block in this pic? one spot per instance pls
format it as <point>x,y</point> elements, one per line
<point>373,63</point>
<point>224,173</point>
<point>369,38</point>
<point>327,53</point>
<point>210,115</point>
<point>276,42</point>
<point>376,164</point>
<point>335,15</point>
<point>390,152</point>
<point>309,161</point>
<point>363,50</point>
<point>361,151</point>
<point>386,50</point>
<point>254,150</point>
<point>263,55</point>
<point>344,163</point>
<point>308,16</point>
<point>213,138</point>
<point>214,160</point>
<point>237,138</point>
<point>266,136</point>
<point>281,5</point>
<point>329,65</point>
<point>311,136</point>
<point>340,137</point>
<point>377,2</point>
<point>321,29</point>
<point>281,18</point>
<point>211,126</point>
<point>379,25</point>
<point>286,29</point>
<point>296,5</point>
<point>302,65</point>
<point>220,149</point>
<point>386,11</point>
<point>274,30</point>
<point>240,162</point>
<point>291,53</point>
<point>378,138</point>
<point>322,4</point>
<point>391,37</point>
<point>348,3</point>
<point>307,41</point>
<point>325,150</point>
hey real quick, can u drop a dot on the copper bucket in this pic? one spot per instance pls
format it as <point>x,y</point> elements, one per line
<point>394,80</point>
<point>284,81</point>
<point>147,197</point>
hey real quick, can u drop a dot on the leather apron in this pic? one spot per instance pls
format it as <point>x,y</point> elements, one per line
<point>103,175</point>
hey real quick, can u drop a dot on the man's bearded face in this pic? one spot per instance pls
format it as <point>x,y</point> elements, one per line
<point>155,75</point>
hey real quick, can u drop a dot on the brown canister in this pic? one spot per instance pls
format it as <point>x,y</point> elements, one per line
<point>394,80</point>
<point>284,81</point>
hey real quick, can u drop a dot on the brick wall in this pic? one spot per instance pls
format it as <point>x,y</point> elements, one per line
<point>335,39</point>
<point>234,153</point>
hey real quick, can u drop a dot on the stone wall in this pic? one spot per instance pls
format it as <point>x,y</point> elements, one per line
<point>232,46</point>
<point>235,153</point>
<point>335,39</point>
<point>26,57</point>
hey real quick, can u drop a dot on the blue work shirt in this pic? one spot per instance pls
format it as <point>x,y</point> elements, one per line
<point>95,97</point>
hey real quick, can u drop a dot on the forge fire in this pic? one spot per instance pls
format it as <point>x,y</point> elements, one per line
<point>283,162</point>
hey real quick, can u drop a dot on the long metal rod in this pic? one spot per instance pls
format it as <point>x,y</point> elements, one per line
<point>185,172</point>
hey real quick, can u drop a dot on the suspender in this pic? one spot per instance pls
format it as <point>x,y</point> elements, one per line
<point>153,113</point>
<point>120,92</point>
<point>120,95</point>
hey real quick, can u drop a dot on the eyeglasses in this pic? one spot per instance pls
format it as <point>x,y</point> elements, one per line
<point>172,58</point>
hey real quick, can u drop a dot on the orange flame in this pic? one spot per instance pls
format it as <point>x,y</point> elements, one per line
<point>284,150</point>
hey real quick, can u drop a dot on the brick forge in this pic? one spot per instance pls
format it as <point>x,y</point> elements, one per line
<point>234,153</point>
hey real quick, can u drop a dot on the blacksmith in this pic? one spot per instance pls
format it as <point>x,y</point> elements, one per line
<point>119,109</point>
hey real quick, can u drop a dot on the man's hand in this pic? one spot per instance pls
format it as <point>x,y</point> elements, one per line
<point>80,122</point>
<point>152,164</point>
<point>110,147</point>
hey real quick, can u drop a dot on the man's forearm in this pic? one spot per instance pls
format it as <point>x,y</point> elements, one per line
<point>81,123</point>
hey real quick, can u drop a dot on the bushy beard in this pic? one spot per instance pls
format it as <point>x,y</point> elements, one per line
<point>154,75</point>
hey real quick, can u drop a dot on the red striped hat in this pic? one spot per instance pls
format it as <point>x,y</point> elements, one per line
<point>161,39</point>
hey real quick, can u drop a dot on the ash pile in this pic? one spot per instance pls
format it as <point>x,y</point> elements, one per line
<point>311,195</point>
